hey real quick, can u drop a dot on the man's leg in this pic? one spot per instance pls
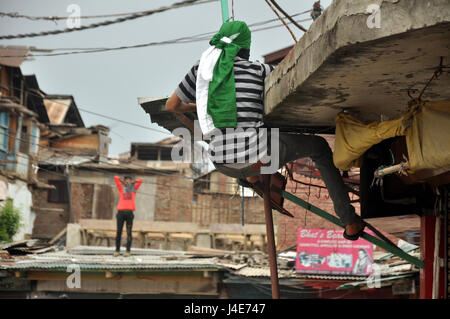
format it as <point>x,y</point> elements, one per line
<point>120,219</point>
<point>130,217</point>
<point>295,146</point>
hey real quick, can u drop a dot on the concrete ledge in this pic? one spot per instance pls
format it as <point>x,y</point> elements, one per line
<point>341,63</point>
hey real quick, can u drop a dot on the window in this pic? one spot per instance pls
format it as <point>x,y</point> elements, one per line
<point>59,194</point>
<point>202,185</point>
<point>4,123</point>
<point>35,134</point>
<point>166,154</point>
<point>24,140</point>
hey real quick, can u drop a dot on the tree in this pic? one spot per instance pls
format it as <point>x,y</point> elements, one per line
<point>9,221</point>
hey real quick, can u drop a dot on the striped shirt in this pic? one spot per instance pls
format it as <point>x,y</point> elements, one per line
<point>246,143</point>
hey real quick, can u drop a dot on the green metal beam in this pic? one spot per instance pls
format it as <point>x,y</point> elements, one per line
<point>374,240</point>
<point>225,11</point>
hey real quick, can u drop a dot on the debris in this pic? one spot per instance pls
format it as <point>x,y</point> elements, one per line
<point>30,246</point>
<point>4,255</point>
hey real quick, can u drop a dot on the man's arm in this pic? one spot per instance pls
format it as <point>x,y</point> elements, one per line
<point>174,104</point>
<point>118,183</point>
<point>138,183</point>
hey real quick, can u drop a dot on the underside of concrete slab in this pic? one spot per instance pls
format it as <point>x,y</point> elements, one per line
<point>345,62</point>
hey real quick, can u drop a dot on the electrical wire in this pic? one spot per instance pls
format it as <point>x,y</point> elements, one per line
<point>121,121</point>
<point>55,18</point>
<point>104,23</point>
<point>183,40</point>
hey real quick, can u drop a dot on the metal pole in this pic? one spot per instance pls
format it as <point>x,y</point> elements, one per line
<point>270,238</point>
<point>225,14</point>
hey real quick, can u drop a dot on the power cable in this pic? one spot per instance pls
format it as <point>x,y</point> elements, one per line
<point>121,121</point>
<point>55,18</point>
<point>105,23</point>
<point>183,40</point>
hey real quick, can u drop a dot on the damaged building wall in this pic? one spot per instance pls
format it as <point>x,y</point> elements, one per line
<point>82,198</point>
<point>174,199</point>
<point>217,200</point>
<point>226,209</point>
<point>51,216</point>
<point>147,199</point>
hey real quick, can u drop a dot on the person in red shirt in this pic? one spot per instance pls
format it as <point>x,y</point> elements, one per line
<point>125,209</point>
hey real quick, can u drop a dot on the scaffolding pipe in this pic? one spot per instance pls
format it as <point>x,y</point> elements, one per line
<point>225,11</point>
<point>270,238</point>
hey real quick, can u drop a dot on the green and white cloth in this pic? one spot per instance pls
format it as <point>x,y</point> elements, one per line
<point>215,85</point>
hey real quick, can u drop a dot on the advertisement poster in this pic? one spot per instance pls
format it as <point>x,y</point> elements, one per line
<point>325,251</point>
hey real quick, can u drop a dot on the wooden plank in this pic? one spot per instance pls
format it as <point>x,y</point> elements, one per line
<point>157,276</point>
<point>58,236</point>
<point>206,251</point>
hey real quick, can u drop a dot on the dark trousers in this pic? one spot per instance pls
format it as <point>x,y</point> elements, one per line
<point>122,217</point>
<point>295,146</point>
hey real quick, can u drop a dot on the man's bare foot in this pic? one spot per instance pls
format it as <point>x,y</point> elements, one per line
<point>353,229</point>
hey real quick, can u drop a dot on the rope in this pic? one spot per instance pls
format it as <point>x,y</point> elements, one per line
<point>288,16</point>
<point>282,20</point>
<point>435,75</point>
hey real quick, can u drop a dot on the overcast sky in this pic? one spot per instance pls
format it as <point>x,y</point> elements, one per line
<point>110,82</point>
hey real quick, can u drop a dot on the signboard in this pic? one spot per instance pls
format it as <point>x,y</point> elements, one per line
<point>325,251</point>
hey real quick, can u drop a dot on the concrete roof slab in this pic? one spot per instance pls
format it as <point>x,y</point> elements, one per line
<point>341,63</point>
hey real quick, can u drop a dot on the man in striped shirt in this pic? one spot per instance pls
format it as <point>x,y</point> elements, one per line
<point>245,143</point>
<point>239,143</point>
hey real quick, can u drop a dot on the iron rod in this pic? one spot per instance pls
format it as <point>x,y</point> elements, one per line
<point>270,238</point>
<point>225,11</point>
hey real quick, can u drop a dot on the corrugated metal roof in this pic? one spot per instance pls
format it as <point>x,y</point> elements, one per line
<point>60,261</point>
